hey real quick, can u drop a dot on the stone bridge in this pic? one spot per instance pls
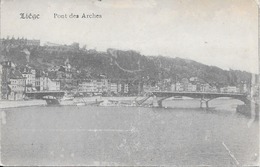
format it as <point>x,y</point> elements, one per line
<point>41,94</point>
<point>204,96</point>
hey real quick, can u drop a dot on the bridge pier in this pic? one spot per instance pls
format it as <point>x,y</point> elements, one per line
<point>160,103</point>
<point>207,104</point>
<point>157,101</point>
<point>204,101</point>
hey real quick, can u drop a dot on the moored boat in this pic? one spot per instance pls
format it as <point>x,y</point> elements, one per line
<point>51,100</point>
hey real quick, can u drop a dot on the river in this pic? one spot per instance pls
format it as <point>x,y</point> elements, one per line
<point>181,134</point>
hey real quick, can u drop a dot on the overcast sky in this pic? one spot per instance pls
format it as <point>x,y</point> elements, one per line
<point>214,32</point>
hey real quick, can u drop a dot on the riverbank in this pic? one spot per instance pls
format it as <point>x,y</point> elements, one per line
<point>113,98</point>
<point>126,100</point>
<point>25,103</point>
<point>12,104</point>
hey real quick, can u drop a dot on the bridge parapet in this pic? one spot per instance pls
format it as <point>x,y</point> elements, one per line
<point>41,94</point>
<point>186,92</point>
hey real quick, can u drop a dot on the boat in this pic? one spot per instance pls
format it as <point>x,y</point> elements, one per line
<point>109,103</point>
<point>86,102</point>
<point>51,100</point>
<point>67,98</point>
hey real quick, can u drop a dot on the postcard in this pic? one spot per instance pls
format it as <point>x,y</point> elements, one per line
<point>129,83</point>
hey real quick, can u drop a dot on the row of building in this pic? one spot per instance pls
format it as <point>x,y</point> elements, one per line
<point>103,86</point>
<point>193,84</point>
<point>15,81</point>
<point>58,47</point>
<point>15,42</point>
<point>20,42</point>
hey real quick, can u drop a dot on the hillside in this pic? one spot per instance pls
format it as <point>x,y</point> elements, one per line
<point>123,64</point>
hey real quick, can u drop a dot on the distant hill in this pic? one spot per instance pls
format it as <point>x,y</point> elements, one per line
<point>123,64</point>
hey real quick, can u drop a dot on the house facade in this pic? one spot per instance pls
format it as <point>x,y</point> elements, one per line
<point>16,86</point>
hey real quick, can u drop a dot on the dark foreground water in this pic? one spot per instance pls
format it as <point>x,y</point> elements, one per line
<point>85,135</point>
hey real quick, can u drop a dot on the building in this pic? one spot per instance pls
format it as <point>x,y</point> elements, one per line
<point>41,81</point>
<point>105,85</point>
<point>205,87</point>
<point>194,79</point>
<point>126,88</point>
<point>99,86</point>
<point>149,87</point>
<point>33,42</point>
<point>88,86</point>
<point>102,85</point>
<point>53,85</point>
<point>229,89</point>
<point>7,67</point>
<point>49,44</point>
<point>60,75</point>
<point>244,90</point>
<point>213,89</point>
<point>54,68</point>
<point>113,88</point>
<point>1,74</point>
<point>29,74</point>
<point>74,45</point>
<point>94,86</point>
<point>192,87</point>
<point>16,85</point>
<point>62,72</point>
<point>185,83</point>
<point>53,46</point>
<point>173,87</point>
<point>179,87</point>
<point>119,88</point>
<point>20,41</point>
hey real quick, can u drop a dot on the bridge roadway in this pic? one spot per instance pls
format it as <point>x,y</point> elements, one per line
<point>41,94</point>
<point>204,96</point>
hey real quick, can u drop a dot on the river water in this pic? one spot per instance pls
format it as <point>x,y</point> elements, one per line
<point>181,134</point>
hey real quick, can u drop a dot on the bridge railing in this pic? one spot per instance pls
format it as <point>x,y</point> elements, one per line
<point>45,91</point>
<point>198,92</point>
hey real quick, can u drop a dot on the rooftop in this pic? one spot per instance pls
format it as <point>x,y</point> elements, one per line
<point>15,74</point>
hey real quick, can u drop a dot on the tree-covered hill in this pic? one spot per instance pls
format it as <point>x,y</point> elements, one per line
<point>123,64</point>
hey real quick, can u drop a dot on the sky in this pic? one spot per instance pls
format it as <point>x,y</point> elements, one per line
<point>222,33</point>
